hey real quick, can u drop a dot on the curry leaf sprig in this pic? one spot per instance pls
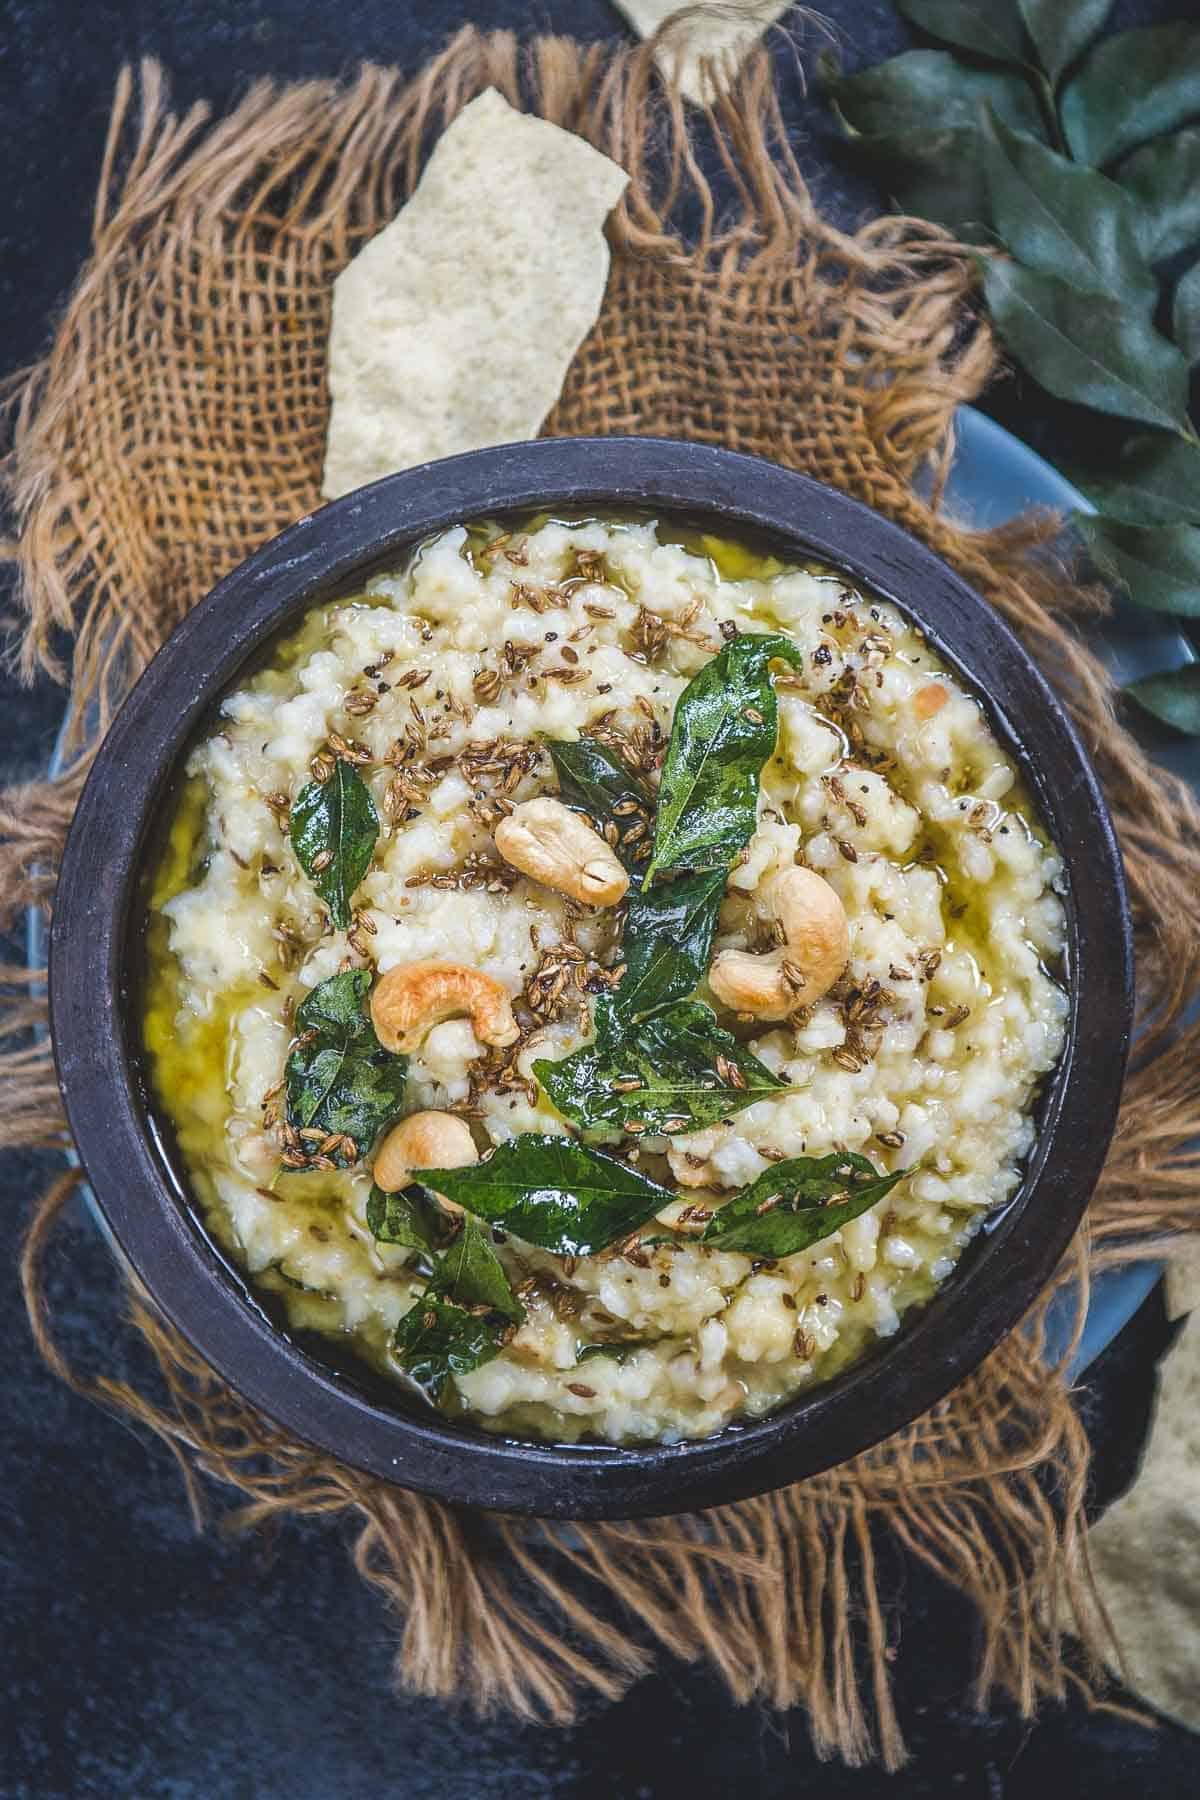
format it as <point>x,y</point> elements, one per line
<point>464,1316</point>
<point>661,1062</point>
<point>1076,166</point>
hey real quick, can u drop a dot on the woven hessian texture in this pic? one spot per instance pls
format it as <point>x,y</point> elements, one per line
<point>179,420</point>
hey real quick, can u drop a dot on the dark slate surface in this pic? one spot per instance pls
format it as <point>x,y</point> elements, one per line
<point>137,1658</point>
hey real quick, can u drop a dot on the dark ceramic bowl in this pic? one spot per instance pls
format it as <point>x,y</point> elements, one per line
<point>142,1190</point>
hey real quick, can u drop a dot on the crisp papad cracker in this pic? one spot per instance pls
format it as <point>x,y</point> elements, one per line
<point>721,33</point>
<point>454,327</point>
<point>1146,1548</point>
<point>1183,1279</point>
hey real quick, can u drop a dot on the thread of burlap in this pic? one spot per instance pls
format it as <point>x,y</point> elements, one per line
<point>178,421</point>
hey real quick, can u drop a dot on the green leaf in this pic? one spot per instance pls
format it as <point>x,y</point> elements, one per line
<point>471,1274</point>
<point>926,91</point>
<point>672,1055</point>
<point>724,729</point>
<point>1174,698</point>
<point>553,1192</point>
<point>334,824</point>
<point>1133,86</point>
<point>936,175</point>
<point>1157,565</point>
<point>461,1320</point>
<point>593,778</point>
<point>666,946</point>
<point>437,1340</point>
<point>991,29</point>
<point>1061,30</point>
<point>1086,347</point>
<point>1062,219</point>
<point>1156,481</point>
<point>913,122</point>
<point>339,1078</point>
<point>406,1218</point>
<point>1185,314</point>
<point>817,1196</point>
<point>1163,181</point>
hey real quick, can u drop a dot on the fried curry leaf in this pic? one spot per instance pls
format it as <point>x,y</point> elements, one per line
<point>461,1320</point>
<point>673,1071</point>
<point>472,1274</point>
<point>725,727</point>
<point>797,1203</point>
<point>406,1218</point>
<point>593,777</point>
<point>437,1340</point>
<point>339,1078</point>
<point>553,1192</point>
<point>334,826</point>
<point>668,938</point>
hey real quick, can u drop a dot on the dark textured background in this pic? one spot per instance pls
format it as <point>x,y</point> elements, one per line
<point>139,1659</point>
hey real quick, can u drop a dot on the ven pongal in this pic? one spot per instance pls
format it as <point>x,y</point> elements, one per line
<point>604,975</point>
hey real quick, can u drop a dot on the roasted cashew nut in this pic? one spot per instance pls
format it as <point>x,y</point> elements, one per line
<point>412,998</point>
<point>425,1140</point>
<point>546,840</point>
<point>816,948</point>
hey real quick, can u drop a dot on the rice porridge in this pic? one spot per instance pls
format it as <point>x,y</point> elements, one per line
<point>677,909</point>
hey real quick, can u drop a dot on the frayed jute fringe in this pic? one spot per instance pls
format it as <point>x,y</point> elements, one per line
<point>179,420</point>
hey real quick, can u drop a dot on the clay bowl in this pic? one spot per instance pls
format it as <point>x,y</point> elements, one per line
<point>131,1163</point>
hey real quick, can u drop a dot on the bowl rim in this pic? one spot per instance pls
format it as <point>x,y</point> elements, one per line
<point>141,1195</point>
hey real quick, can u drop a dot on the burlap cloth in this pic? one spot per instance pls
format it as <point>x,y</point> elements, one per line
<point>179,420</point>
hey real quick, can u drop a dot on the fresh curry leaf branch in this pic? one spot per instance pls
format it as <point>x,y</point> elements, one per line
<point>1075,164</point>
